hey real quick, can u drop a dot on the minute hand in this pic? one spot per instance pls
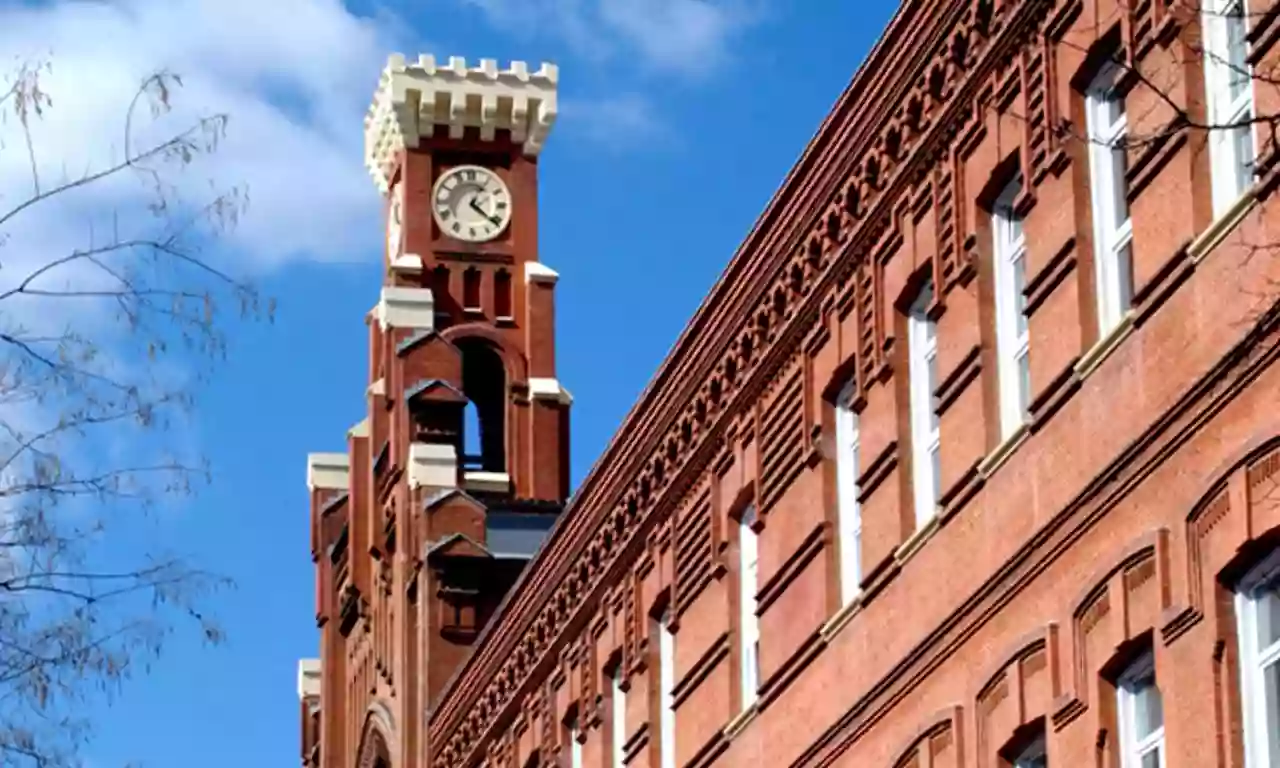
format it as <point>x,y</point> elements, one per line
<point>476,207</point>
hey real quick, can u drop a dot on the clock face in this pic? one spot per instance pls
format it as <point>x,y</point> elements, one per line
<point>395,219</point>
<point>471,203</point>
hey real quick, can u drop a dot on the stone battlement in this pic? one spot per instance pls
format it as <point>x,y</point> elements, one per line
<point>413,100</point>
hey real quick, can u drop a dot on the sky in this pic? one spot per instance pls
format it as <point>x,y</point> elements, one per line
<point>678,121</point>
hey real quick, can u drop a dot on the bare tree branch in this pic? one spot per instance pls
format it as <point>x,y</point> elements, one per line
<point>87,417</point>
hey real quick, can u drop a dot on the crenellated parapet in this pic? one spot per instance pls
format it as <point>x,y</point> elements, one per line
<point>414,101</point>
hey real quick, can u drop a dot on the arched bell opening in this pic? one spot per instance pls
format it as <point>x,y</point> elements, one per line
<point>484,382</point>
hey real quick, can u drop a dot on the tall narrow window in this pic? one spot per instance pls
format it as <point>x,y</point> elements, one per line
<point>575,746</point>
<point>666,692</point>
<point>848,510</point>
<point>1141,713</point>
<point>471,290</point>
<point>748,583</point>
<point>1032,756</point>
<point>1012,338</point>
<point>618,719</point>
<point>1112,230</point>
<point>1258,615</point>
<point>1229,89</point>
<point>926,445</point>
<point>502,295</point>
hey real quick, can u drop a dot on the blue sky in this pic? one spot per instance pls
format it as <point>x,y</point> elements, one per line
<point>679,118</point>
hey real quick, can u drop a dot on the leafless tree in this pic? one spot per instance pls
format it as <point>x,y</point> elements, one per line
<point>102,346</point>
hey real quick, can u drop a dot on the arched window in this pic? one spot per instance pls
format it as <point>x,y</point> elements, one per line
<point>471,290</point>
<point>502,295</point>
<point>484,382</point>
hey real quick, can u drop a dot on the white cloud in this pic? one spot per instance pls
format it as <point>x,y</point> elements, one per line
<point>295,77</point>
<point>686,37</point>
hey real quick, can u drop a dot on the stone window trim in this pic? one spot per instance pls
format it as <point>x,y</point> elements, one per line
<point>1140,714</point>
<point>1012,336</point>
<point>1257,609</point>
<point>618,688</point>
<point>923,419</point>
<point>748,635</point>
<point>574,737</point>
<point>1229,100</point>
<point>848,507</point>
<point>1027,747</point>
<point>665,677</point>
<point>1107,129</point>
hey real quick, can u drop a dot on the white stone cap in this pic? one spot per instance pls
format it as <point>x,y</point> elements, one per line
<point>494,482</point>
<point>308,678</point>
<point>403,307</point>
<point>378,388</point>
<point>549,389</point>
<point>433,465</point>
<point>407,262</point>
<point>412,100</point>
<point>537,272</point>
<point>327,471</point>
<point>361,428</point>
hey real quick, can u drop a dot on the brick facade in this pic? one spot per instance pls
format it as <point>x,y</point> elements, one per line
<point>1114,520</point>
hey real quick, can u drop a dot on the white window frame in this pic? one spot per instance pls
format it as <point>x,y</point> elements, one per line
<point>618,720</point>
<point>1034,755</point>
<point>1013,337</point>
<point>926,443</point>
<point>1139,677</point>
<point>575,746</point>
<point>1232,144</point>
<point>749,622</point>
<point>848,508</point>
<point>666,692</point>
<point>1261,744</point>
<point>1113,235</point>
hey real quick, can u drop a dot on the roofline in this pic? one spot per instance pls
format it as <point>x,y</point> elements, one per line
<point>796,188</point>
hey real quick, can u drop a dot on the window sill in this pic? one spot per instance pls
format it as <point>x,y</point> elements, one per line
<point>833,625</point>
<point>907,549</point>
<point>1102,349</point>
<point>1222,226</point>
<point>740,722</point>
<point>1001,453</point>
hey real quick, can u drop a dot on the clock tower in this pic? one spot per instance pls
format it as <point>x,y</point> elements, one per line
<point>450,483</point>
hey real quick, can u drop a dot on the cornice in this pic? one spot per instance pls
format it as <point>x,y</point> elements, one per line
<point>882,138</point>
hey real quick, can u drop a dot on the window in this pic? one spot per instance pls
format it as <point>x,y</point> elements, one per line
<point>1229,89</point>
<point>748,583</point>
<point>502,295</point>
<point>1033,756</point>
<point>1258,614</point>
<point>471,290</point>
<point>1012,338</point>
<point>922,345</point>
<point>618,721</point>
<point>666,692</point>
<point>575,746</point>
<point>1141,713</point>
<point>1113,232</point>
<point>849,513</point>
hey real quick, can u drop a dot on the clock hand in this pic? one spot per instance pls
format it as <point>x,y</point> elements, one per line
<point>475,206</point>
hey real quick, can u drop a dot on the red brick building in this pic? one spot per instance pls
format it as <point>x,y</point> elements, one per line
<point>971,458</point>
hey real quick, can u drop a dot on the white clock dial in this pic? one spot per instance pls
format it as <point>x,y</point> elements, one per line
<point>471,203</point>
<point>395,220</point>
